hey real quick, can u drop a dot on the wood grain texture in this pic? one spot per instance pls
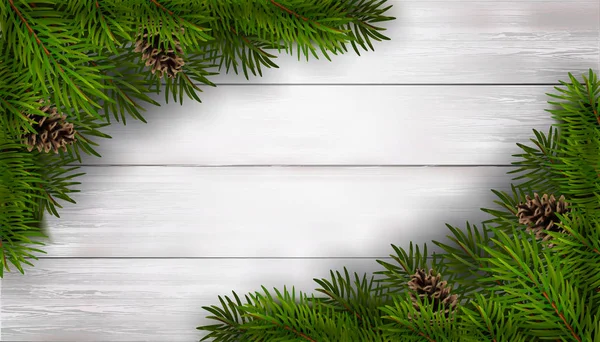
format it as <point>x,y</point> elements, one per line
<point>333,125</point>
<point>462,42</point>
<point>267,212</point>
<point>416,100</point>
<point>141,300</point>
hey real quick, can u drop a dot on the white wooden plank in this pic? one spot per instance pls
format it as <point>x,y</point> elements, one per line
<point>141,300</point>
<point>462,42</point>
<point>333,125</point>
<point>267,212</point>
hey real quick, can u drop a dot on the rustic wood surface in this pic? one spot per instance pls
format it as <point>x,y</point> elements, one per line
<point>267,211</point>
<point>461,42</point>
<point>315,166</point>
<point>327,125</point>
<point>74,300</point>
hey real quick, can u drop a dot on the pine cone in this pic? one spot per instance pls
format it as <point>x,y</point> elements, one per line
<point>539,214</point>
<point>53,131</point>
<point>429,285</point>
<point>156,54</point>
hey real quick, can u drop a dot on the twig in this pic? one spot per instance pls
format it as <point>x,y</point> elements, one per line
<point>48,194</point>
<point>344,304</point>
<point>429,339</point>
<point>473,256</point>
<point>289,11</point>
<point>4,256</point>
<point>249,43</point>
<point>133,103</point>
<point>104,21</point>
<point>173,14</point>
<point>562,317</point>
<point>487,325</point>
<point>37,39</point>
<point>592,103</point>
<point>39,42</point>
<point>306,337</point>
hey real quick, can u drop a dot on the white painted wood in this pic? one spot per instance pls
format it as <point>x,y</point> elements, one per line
<point>141,300</point>
<point>267,212</point>
<point>462,42</point>
<point>124,213</point>
<point>334,125</point>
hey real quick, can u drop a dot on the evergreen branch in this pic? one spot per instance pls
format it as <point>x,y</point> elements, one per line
<point>4,263</point>
<point>566,224</point>
<point>48,195</point>
<point>524,254</point>
<point>550,160</point>
<point>562,317</point>
<point>544,293</point>
<point>345,305</point>
<point>420,333</point>
<point>14,110</point>
<point>78,55</point>
<point>62,71</point>
<point>171,13</point>
<point>250,45</point>
<point>531,290</point>
<point>31,31</point>
<point>289,11</point>
<point>105,24</point>
<point>488,324</point>
<point>298,333</point>
<point>163,7</point>
<point>591,102</point>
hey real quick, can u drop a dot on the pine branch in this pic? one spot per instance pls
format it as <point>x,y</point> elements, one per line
<point>63,71</point>
<point>285,327</point>
<point>532,272</point>
<point>395,276</point>
<point>590,93</point>
<point>515,287</point>
<point>289,11</point>
<point>203,36</point>
<point>77,57</point>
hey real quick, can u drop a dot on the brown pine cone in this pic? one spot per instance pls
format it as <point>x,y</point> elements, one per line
<point>428,285</point>
<point>53,131</point>
<point>539,214</point>
<point>162,59</point>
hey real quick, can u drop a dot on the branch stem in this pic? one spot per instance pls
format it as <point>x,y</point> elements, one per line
<point>304,336</point>
<point>289,11</point>
<point>20,15</point>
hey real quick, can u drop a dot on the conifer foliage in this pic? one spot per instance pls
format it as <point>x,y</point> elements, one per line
<point>67,67</point>
<point>529,273</point>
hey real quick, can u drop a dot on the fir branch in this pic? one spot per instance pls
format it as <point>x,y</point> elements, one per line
<point>289,11</point>
<point>251,45</point>
<point>4,262</point>
<point>104,23</point>
<point>530,291</point>
<point>285,327</point>
<point>533,280</point>
<point>78,55</point>
<point>591,102</point>
<point>172,13</point>
<point>64,71</point>
<point>562,317</point>
<point>37,39</point>
<point>420,333</point>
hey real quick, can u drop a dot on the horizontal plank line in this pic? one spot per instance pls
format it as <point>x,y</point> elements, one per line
<point>228,166</point>
<point>391,84</point>
<point>210,258</point>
